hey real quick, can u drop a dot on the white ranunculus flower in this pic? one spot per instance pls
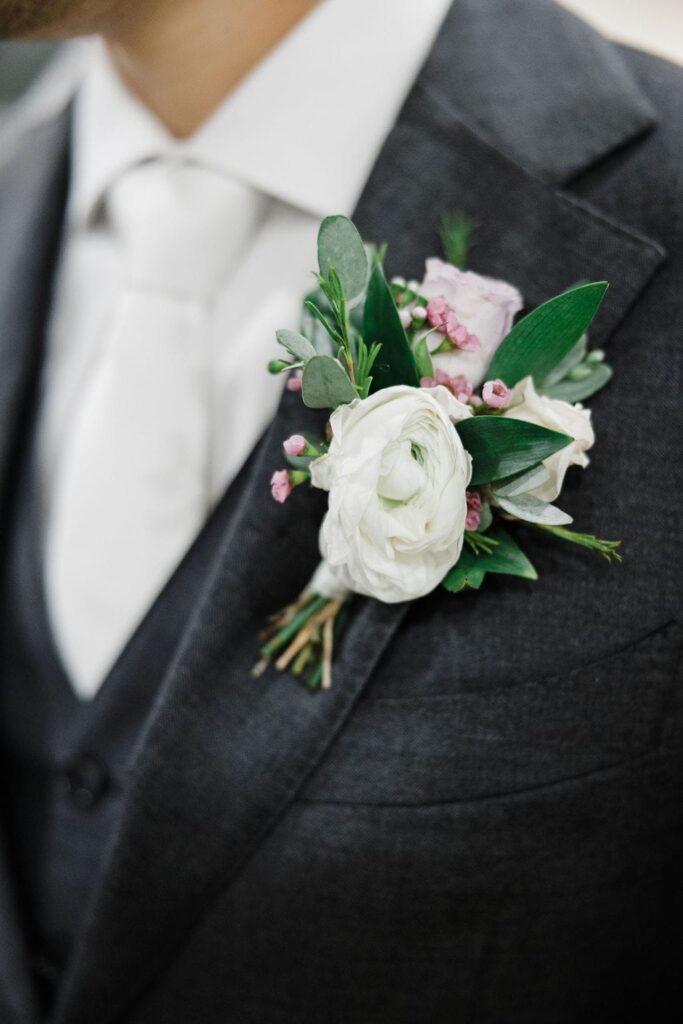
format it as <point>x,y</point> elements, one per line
<point>396,472</point>
<point>527,404</point>
<point>486,307</point>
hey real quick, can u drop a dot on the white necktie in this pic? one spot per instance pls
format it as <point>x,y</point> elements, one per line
<point>132,490</point>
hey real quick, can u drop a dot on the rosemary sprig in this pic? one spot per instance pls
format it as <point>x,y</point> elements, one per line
<point>606,548</point>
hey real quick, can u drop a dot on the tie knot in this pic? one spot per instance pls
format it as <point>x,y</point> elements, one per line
<point>181,227</point>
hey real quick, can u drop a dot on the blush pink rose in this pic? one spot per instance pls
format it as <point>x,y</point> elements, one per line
<point>485,306</point>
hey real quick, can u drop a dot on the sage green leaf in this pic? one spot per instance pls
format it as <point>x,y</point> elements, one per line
<point>579,390</point>
<point>325,384</point>
<point>572,359</point>
<point>340,246</point>
<point>296,345</point>
<point>500,447</point>
<point>423,359</point>
<point>533,510</point>
<point>522,482</point>
<point>539,342</point>
<point>506,559</point>
<point>395,363</point>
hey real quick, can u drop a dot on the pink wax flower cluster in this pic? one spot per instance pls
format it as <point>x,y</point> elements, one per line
<point>458,386</point>
<point>474,507</point>
<point>444,319</point>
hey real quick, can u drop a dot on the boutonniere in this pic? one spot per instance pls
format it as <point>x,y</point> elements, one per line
<point>448,423</point>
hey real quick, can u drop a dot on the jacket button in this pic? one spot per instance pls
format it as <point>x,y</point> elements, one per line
<point>86,781</point>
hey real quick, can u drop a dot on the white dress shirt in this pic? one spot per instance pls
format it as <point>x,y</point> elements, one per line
<point>302,132</point>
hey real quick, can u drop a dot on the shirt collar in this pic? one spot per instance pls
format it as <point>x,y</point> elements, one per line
<point>305,126</point>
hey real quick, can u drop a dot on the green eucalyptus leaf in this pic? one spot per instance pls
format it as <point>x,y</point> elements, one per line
<point>296,344</point>
<point>506,559</point>
<point>539,342</point>
<point>500,447</point>
<point>395,363</point>
<point>341,246</point>
<point>533,510</point>
<point>579,390</point>
<point>423,359</point>
<point>520,483</point>
<point>325,384</point>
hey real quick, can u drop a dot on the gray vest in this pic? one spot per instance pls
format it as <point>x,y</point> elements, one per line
<point>68,760</point>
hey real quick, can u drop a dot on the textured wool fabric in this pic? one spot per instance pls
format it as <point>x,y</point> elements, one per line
<point>482,820</point>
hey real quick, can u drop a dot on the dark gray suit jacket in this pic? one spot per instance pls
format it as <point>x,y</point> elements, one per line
<point>482,821</point>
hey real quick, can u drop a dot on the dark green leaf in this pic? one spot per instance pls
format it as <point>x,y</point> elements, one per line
<point>579,390</point>
<point>507,559</point>
<point>540,341</point>
<point>296,344</point>
<point>325,384</point>
<point>395,363</point>
<point>500,447</point>
<point>340,246</point>
<point>423,359</point>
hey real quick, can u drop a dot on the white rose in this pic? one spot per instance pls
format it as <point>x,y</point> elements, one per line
<point>396,472</point>
<point>485,306</point>
<point>527,404</point>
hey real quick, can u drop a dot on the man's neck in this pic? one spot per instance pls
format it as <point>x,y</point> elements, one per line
<point>183,57</point>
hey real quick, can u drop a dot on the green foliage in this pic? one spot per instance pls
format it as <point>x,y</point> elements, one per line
<point>539,342</point>
<point>598,375</point>
<point>500,447</point>
<point>531,509</point>
<point>340,246</point>
<point>456,232</point>
<point>325,384</point>
<point>505,558</point>
<point>606,548</point>
<point>423,359</point>
<point>520,483</point>
<point>575,356</point>
<point>365,360</point>
<point>382,324</point>
<point>297,346</point>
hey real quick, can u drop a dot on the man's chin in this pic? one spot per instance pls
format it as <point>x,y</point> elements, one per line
<point>49,19</point>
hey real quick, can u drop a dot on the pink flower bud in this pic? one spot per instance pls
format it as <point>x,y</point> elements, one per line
<point>437,311</point>
<point>420,313</point>
<point>470,344</point>
<point>461,387</point>
<point>473,499</point>
<point>294,381</point>
<point>473,520</point>
<point>496,394</point>
<point>280,485</point>
<point>405,317</point>
<point>295,445</point>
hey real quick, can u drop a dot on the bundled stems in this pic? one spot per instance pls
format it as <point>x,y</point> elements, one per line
<point>303,637</point>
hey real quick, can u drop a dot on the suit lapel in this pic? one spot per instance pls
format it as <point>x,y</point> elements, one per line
<point>32,193</point>
<point>224,755</point>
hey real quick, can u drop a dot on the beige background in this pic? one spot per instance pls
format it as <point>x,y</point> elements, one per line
<point>655,25</point>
